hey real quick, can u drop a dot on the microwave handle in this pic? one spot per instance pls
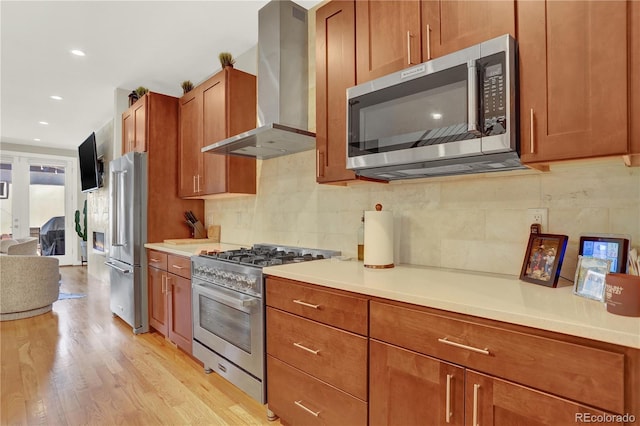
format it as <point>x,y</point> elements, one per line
<point>472,96</point>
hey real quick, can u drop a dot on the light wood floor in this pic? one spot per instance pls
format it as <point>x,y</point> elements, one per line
<point>79,365</point>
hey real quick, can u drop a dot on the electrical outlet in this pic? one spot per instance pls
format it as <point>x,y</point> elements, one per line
<point>539,216</point>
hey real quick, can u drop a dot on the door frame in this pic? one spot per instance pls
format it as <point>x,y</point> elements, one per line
<point>20,165</point>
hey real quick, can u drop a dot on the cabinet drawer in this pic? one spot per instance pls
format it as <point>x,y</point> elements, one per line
<point>179,265</point>
<point>332,355</point>
<point>290,390</point>
<point>157,259</point>
<point>339,309</point>
<point>551,365</point>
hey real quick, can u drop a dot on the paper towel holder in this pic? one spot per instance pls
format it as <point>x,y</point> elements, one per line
<point>376,266</point>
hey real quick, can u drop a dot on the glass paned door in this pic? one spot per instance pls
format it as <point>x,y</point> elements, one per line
<point>47,208</point>
<point>40,202</point>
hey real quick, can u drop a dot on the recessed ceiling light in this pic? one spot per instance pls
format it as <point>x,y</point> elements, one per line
<point>36,139</point>
<point>44,123</point>
<point>77,52</point>
<point>436,115</point>
<point>56,97</point>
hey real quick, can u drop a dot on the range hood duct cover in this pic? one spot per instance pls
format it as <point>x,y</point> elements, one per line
<point>283,87</point>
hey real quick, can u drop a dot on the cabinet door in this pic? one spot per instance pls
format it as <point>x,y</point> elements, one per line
<point>190,143</point>
<point>179,300</point>
<point>407,388</point>
<point>128,131</point>
<point>215,129</point>
<point>157,284</point>
<point>573,79</point>
<point>335,72</point>
<point>140,120</point>
<point>491,401</point>
<point>448,26</point>
<point>387,37</point>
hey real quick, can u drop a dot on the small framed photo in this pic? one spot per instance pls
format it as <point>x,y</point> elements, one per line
<point>543,259</point>
<point>590,276</point>
<point>4,190</point>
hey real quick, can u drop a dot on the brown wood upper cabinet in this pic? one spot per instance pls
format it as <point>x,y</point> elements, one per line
<point>360,40</point>
<point>573,79</point>
<point>335,72</point>
<point>222,106</point>
<point>393,35</point>
<point>387,37</point>
<point>151,125</point>
<point>134,126</point>
<point>448,26</point>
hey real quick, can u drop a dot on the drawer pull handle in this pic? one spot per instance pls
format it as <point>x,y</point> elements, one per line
<point>177,266</point>
<point>308,410</point>
<point>476,388</point>
<point>484,351</point>
<point>531,132</point>
<point>448,400</point>
<point>154,260</point>
<point>308,305</point>
<point>298,345</point>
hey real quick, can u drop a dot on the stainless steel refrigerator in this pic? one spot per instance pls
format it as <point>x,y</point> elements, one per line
<point>127,236</point>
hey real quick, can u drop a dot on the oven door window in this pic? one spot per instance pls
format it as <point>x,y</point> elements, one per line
<point>228,323</point>
<point>428,110</point>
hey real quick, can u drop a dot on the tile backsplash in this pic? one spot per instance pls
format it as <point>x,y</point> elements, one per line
<point>476,223</point>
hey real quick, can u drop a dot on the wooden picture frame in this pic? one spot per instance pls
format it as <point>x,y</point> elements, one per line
<point>4,190</point>
<point>590,277</point>
<point>543,259</point>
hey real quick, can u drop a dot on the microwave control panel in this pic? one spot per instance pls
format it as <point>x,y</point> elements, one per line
<point>494,94</point>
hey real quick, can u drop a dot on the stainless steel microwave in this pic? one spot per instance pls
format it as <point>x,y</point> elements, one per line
<point>456,114</point>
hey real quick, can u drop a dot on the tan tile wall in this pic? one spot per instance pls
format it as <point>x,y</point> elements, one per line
<point>474,223</point>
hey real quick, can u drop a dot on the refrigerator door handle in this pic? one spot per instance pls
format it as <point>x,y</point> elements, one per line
<point>118,209</point>
<point>117,268</point>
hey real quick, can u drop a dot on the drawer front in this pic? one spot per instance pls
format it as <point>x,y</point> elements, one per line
<point>345,311</point>
<point>300,399</point>
<point>334,356</point>
<point>179,265</point>
<point>157,259</point>
<point>558,367</point>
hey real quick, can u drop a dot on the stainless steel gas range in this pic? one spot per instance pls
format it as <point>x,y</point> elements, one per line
<point>228,310</point>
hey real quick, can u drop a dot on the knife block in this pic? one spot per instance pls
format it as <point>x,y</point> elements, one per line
<point>199,231</point>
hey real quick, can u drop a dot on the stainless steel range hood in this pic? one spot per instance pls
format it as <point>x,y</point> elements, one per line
<point>283,87</point>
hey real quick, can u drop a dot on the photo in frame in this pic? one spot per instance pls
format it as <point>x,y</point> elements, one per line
<point>543,259</point>
<point>4,190</point>
<point>590,277</point>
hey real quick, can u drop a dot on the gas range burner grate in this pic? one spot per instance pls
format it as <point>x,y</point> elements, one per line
<point>264,255</point>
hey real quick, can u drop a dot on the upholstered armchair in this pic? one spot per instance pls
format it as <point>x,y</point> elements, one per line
<point>25,246</point>
<point>28,285</point>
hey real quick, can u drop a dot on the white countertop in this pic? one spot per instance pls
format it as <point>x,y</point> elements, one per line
<point>499,297</point>
<point>191,249</point>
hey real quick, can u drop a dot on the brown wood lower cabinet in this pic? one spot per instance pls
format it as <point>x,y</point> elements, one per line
<point>317,354</point>
<point>408,388</point>
<point>492,401</point>
<point>431,367</point>
<point>169,289</point>
<point>301,399</point>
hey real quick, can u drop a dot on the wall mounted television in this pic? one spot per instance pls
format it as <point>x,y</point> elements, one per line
<point>91,168</point>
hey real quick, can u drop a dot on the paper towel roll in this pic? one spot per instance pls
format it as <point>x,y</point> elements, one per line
<point>378,239</point>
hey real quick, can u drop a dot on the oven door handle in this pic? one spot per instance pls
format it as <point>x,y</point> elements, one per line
<point>221,296</point>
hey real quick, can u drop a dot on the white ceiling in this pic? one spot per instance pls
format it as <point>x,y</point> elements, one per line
<point>156,44</point>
